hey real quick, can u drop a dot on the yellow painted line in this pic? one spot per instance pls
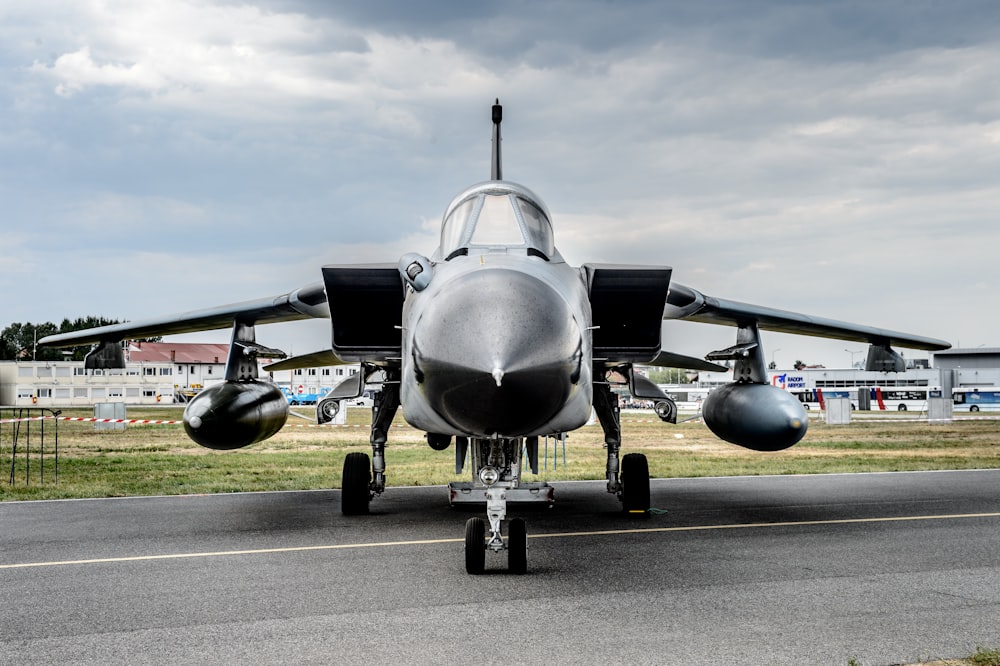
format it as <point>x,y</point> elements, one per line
<point>553,535</point>
<point>228,553</point>
<point>795,523</point>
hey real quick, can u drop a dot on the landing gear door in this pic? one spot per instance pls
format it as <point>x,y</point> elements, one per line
<point>641,387</point>
<point>351,387</point>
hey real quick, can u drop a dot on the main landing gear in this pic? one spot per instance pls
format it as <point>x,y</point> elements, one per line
<point>629,480</point>
<point>364,477</point>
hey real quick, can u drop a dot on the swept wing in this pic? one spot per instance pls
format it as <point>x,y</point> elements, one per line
<point>305,303</point>
<point>689,304</point>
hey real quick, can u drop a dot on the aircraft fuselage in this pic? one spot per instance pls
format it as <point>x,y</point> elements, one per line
<point>498,344</point>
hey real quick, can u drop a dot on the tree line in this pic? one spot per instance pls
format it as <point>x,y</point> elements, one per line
<point>19,342</point>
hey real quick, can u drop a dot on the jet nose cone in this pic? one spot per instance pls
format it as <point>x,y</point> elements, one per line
<point>497,353</point>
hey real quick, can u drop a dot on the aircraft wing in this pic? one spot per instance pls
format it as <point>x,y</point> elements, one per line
<point>305,303</point>
<point>691,305</point>
<point>671,360</point>
<point>314,360</point>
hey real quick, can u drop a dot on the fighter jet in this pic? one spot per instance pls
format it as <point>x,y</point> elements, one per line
<point>492,342</point>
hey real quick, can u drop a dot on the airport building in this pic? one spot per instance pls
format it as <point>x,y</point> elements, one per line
<point>154,373</point>
<point>68,384</point>
<point>165,373</point>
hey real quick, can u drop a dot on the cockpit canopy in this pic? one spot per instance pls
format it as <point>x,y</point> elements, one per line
<point>496,215</point>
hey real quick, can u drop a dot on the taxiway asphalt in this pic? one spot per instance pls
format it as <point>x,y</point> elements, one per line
<point>880,568</point>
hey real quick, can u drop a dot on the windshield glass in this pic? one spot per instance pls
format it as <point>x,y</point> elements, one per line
<point>537,227</point>
<point>497,223</point>
<point>501,216</point>
<point>457,227</point>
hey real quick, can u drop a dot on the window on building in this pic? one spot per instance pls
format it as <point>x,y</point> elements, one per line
<point>79,372</point>
<point>149,372</point>
<point>25,371</point>
<point>148,393</point>
<point>97,392</point>
<point>326,372</point>
<point>298,373</point>
<point>131,392</point>
<point>62,394</point>
<point>166,372</point>
<point>312,372</point>
<point>44,393</point>
<point>63,371</point>
<point>80,392</point>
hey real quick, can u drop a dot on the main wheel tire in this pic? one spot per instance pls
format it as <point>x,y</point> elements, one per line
<point>475,546</point>
<point>974,408</point>
<point>517,546</point>
<point>635,484</point>
<point>356,493</point>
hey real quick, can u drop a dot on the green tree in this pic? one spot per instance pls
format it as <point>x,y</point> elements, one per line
<point>19,341</point>
<point>667,375</point>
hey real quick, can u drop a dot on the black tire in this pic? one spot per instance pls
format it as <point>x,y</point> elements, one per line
<point>635,484</point>
<point>475,546</point>
<point>517,546</point>
<point>356,494</point>
<point>901,408</point>
<point>974,408</point>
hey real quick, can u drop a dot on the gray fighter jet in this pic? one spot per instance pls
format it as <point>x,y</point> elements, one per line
<point>492,342</point>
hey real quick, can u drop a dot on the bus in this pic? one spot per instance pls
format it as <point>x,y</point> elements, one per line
<point>687,398</point>
<point>879,398</point>
<point>977,398</point>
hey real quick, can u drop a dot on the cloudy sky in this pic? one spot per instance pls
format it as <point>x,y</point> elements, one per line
<point>840,159</point>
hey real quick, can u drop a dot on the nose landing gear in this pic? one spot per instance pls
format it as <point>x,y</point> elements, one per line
<point>496,466</point>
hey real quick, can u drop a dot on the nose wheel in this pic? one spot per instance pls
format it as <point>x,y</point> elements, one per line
<point>476,546</point>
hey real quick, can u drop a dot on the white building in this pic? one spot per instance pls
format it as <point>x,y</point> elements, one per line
<point>154,373</point>
<point>68,384</point>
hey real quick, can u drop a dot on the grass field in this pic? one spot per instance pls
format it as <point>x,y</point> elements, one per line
<point>160,460</point>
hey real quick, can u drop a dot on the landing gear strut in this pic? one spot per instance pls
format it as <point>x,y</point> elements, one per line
<point>364,477</point>
<point>496,467</point>
<point>628,478</point>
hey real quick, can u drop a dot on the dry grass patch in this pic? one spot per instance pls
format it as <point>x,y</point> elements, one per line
<point>159,459</point>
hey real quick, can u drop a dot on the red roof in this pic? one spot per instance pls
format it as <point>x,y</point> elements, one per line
<point>178,352</point>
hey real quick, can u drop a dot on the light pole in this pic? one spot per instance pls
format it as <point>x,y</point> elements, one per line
<point>773,352</point>
<point>852,353</point>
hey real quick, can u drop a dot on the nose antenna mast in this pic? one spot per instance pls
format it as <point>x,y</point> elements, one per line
<point>496,170</point>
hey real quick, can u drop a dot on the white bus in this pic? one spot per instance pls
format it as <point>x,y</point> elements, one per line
<point>888,398</point>
<point>976,398</point>
<point>688,398</point>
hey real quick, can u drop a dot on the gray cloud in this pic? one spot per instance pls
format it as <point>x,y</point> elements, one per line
<point>835,157</point>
